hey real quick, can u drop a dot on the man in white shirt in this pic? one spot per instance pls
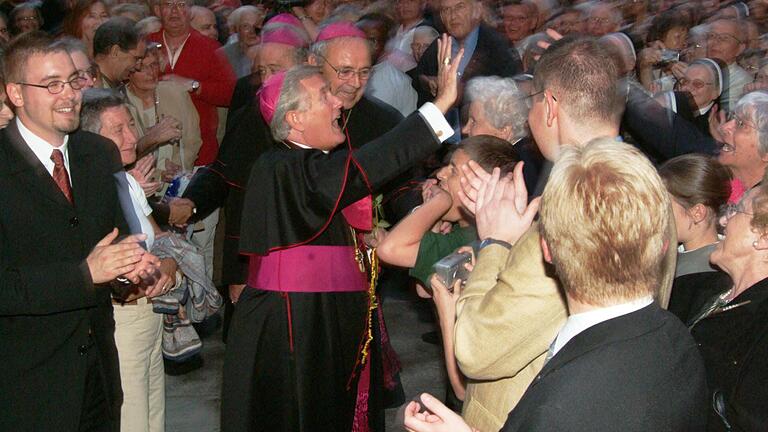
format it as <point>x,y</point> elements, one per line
<point>60,370</point>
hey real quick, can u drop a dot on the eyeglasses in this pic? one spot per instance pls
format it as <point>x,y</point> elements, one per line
<point>56,87</point>
<point>29,18</point>
<point>741,123</point>
<point>730,210</point>
<point>346,73</point>
<point>722,37</point>
<point>171,5</point>
<point>695,83</point>
<point>90,73</point>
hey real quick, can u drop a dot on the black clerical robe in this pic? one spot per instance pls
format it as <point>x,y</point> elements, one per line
<point>293,358</point>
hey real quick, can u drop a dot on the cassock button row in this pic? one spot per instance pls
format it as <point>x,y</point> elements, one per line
<point>74,222</point>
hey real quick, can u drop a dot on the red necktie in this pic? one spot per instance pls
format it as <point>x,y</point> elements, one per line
<point>60,175</point>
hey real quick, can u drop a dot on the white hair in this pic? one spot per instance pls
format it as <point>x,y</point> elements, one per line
<point>503,103</point>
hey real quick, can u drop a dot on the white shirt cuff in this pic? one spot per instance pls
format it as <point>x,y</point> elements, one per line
<point>436,120</point>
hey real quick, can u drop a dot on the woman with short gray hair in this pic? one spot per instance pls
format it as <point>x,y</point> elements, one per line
<point>498,107</point>
<point>745,139</point>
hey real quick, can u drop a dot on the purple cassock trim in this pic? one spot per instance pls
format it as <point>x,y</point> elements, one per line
<point>313,269</point>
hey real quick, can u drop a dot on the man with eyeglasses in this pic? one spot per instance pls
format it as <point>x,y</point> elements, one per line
<point>60,368</point>
<point>191,60</point>
<point>725,42</point>
<point>117,50</point>
<point>519,19</point>
<point>247,21</point>
<point>486,52</point>
<point>603,18</point>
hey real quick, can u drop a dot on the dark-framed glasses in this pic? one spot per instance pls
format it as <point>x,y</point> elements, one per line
<point>174,4</point>
<point>56,87</point>
<point>346,73</point>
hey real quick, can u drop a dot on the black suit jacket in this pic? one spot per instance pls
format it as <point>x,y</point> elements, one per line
<point>637,372</point>
<point>48,302</point>
<point>492,56</point>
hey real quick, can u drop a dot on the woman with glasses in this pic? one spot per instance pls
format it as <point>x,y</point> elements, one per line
<point>731,328</point>
<point>744,140</point>
<point>25,17</point>
<point>699,186</point>
<point>696,92</point>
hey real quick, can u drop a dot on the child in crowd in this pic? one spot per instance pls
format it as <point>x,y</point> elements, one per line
<point>418,241</point>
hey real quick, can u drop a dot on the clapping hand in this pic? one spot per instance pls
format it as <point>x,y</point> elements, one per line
<point>501,207</point>
<point>143,172</point>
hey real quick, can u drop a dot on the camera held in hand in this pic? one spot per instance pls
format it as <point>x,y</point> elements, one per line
<point>453,267</point>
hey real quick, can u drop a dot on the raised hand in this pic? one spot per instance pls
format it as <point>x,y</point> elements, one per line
<point>502,211</point>
<point>447,74</point>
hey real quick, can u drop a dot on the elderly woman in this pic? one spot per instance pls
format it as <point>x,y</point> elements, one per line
<point>167,104</point>
<point>498,107</point>
<point>83,20</point>
<point>25,17</point>
<point>745,139</point>
<point>698,186</point>
<point>697,90</point>
<point>732,327</point>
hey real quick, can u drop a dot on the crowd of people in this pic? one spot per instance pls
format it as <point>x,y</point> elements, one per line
<point>577,187</point>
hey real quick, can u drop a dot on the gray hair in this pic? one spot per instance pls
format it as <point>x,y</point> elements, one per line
<point>70,45</point>
<point>140,10</point>
<point>95,102</point>
<point>234,18</point>
<point>293,97</point>
<point>321,48</point>
<point>754,106</point>
<point>503,103</point>
<point>144,26</point>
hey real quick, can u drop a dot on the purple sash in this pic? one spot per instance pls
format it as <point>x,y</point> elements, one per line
<point>314,269</point>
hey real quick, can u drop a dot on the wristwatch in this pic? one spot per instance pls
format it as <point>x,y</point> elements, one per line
<point>490,241</point>
<point>195,86</point>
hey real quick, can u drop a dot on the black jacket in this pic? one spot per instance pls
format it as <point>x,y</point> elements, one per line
<point>492,56</point>
<point>48,302</point>
<point>637,372</point>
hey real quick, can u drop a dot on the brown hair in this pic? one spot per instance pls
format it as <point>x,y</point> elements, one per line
<point>491,152</point>
<point>72,23</point>
<point>19,51</point>
<point>584,77</point>
<point>697,179</point>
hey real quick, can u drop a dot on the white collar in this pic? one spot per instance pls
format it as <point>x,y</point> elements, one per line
<point>706,108</point>
<point>42,148</point>
<point>577,323</point>
<point>306,147</point>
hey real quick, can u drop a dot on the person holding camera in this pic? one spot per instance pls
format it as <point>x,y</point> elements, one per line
<point>438,227</point>
<point>659,65</point>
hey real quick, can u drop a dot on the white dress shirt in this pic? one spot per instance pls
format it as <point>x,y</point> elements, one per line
<point>43,149</point>
<point>577,323</point>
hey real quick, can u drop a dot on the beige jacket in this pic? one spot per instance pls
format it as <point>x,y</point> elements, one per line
<point>507,316</point>
<point>174,101</point>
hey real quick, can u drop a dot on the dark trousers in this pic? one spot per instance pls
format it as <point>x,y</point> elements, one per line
<point>94,416</point>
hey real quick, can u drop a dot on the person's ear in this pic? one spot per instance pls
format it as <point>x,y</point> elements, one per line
<point>506,131</point>
<point>312,60</point>
<point>114,50</point>
<point>14,94</point>
<point>295,120</point>
<point>698,213</point>
<point>551,107</point>
<point>156,9</point>
<point>545,250</point>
